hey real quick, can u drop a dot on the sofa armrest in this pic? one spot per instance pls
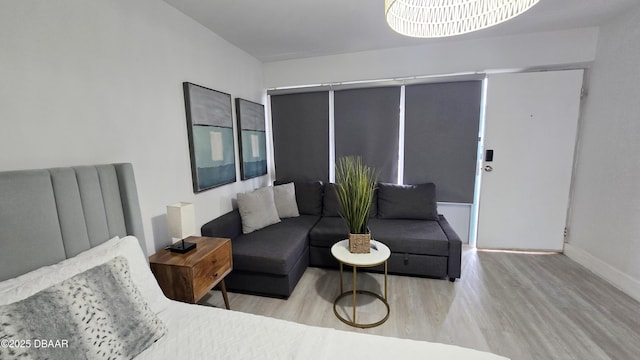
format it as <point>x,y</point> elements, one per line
<point>228,225</point>
<point>455,249</point>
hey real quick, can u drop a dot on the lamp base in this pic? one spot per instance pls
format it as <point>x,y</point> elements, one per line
<point>182,247</point>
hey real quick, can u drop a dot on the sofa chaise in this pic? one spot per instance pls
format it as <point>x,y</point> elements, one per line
<point>270,261</point>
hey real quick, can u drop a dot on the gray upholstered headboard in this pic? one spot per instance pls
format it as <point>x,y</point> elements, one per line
<point>51,214</point>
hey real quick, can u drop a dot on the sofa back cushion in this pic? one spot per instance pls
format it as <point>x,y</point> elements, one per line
<point>228,225</point>
<point>407,201</point>
<point>331,204</point>
<point>308,196</point>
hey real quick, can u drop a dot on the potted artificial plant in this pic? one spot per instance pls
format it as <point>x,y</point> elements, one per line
<point>355,184</point>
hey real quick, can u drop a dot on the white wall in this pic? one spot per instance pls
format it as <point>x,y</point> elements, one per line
<point>549,49</point>
<point>459,217</point>
<point>604,227</point>
<point>100,81</point>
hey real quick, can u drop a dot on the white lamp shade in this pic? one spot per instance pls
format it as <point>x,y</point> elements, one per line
<point>441,18</point>
<point>181,219</point>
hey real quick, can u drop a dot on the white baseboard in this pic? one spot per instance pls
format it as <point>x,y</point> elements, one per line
<point>617,278</point>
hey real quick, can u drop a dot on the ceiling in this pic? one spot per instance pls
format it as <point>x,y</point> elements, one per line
<point>273,30</point>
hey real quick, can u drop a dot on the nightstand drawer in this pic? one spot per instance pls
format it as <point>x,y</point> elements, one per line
<point>188,277</point>
<point>212,268</point>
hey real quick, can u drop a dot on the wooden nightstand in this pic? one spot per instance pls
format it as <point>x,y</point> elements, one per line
<point>188,277</point>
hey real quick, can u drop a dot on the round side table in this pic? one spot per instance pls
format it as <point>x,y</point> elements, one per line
<point>379,255</point>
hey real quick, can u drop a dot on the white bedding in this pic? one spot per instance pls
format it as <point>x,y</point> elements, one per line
<point>201,332</point>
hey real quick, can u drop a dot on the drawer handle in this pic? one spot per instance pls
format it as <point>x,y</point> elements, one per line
<point>215,275</point>
<point>214,261</point>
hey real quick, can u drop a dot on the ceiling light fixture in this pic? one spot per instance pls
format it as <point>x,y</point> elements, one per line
<point>442,18</point>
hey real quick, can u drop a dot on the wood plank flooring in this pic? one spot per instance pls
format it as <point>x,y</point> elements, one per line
<point>523,306</point>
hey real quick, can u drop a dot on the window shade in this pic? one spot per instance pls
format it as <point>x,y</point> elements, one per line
<point>367,124</point>
<point>301,136</point>
<point>441,137</point>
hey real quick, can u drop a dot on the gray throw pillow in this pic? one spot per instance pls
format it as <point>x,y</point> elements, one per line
<point>407,201</point>
<point>257,209</point>
<point>308,196</point>
<point>97,314</point>
<point>285,199</point>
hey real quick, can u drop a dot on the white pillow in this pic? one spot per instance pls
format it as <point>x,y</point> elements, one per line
<point>285,198</point>
<point>25,285</point>
<point>257,209</point>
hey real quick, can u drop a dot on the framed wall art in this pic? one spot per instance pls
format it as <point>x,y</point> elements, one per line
<point>210,132</point>
<point>252,139</point>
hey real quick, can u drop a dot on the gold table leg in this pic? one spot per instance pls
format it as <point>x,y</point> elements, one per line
<point>385,280</point>
<point>341,279</point>
<point>355,269</point>
<point>353,293</point>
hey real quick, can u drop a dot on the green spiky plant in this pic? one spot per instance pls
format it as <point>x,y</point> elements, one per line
<point>355,184</point>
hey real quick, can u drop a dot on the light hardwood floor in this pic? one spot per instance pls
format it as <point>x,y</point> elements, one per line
<point>523,306</point>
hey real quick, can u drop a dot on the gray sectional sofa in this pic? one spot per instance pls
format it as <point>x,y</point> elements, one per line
<point>270,261</point>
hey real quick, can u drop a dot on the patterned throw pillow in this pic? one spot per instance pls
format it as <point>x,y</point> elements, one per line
<point>97,314</point>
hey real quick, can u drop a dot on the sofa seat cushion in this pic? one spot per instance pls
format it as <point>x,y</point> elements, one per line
<point>274,249</point>
<point>328,231</point>
<point>424,237</point>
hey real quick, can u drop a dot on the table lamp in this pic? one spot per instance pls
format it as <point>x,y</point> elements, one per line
<point>180,217</point>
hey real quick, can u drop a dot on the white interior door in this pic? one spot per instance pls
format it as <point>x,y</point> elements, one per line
<point>530,124</point>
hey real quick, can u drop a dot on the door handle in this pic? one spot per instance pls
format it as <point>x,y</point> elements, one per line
<point>488,168</point>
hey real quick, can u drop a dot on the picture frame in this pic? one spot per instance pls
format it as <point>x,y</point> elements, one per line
<point>210,132</point>
<point>252,138</point>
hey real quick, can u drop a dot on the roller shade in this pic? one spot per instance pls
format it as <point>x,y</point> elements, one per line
<point>301,136</point>
<point>367,124</point>
<point>441,137</point>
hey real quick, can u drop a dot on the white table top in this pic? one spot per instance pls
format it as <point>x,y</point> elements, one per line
<point>340,251</point>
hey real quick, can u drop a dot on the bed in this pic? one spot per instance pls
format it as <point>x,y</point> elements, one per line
<point>72,238</point>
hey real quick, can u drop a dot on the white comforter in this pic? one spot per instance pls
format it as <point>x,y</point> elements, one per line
<point>201,332</point>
